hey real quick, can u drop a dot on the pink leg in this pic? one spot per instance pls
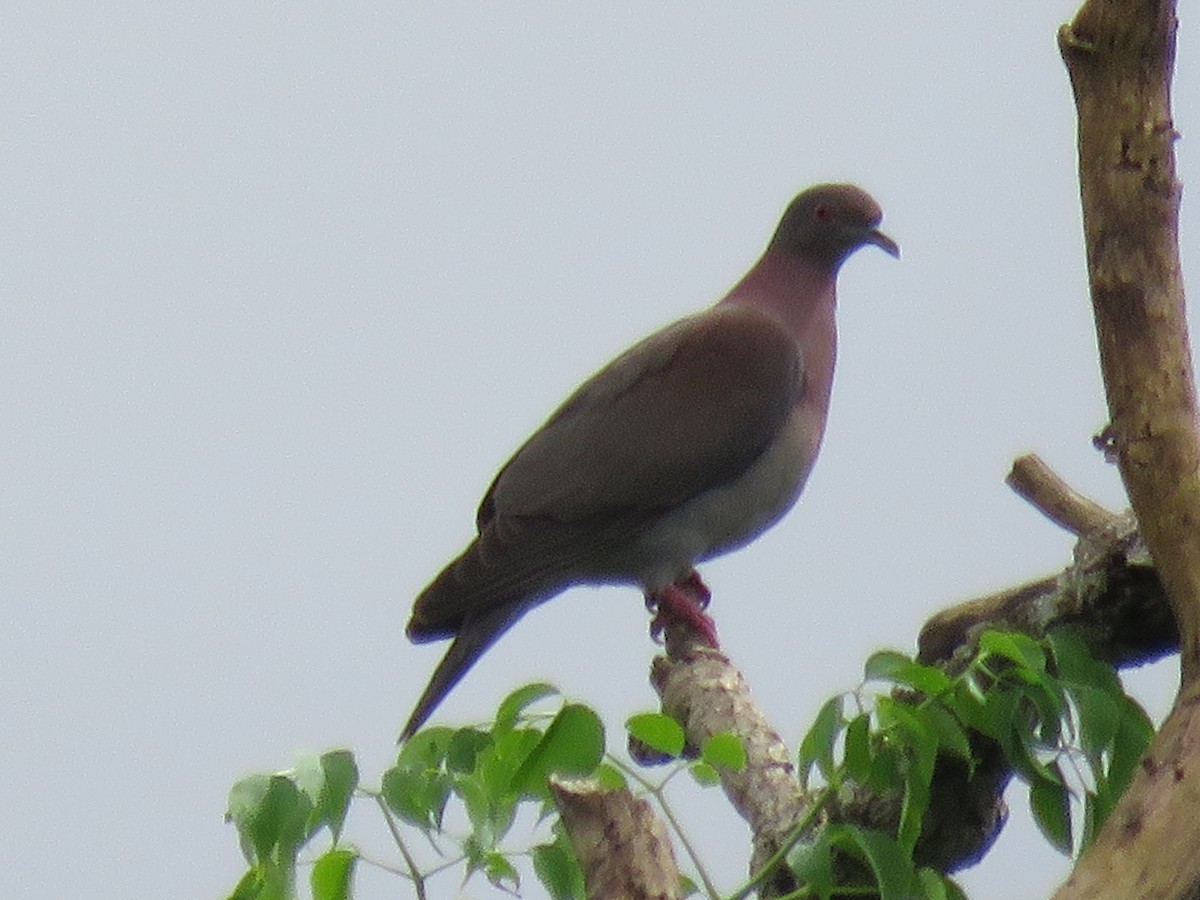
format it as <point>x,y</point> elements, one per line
<point>684,601</point>
<point>698,588</point>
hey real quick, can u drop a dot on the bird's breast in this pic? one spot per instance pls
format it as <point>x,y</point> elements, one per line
<point>731,515</point>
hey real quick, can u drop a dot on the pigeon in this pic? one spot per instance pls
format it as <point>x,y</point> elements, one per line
<point>686,446</point>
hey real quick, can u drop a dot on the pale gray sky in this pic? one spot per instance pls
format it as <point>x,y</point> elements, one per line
<point>284,285</point>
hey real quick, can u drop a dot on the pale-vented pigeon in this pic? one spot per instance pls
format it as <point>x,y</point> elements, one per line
<point>686,446</point>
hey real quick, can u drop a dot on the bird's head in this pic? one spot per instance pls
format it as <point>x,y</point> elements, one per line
<point>826,223</point>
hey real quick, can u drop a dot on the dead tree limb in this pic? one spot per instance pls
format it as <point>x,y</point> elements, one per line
<point>1120,56</point>
<point>622,847</point>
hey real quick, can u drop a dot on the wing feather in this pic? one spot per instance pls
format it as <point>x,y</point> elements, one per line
<point>687,409</point>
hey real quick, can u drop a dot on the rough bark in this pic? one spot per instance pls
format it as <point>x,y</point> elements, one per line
<point>705,693</point>
<point>623,849</point>
<point>1120,56</point>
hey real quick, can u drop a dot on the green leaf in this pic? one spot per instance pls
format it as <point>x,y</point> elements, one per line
<point>1096,809</point>
<point>306,774</point>
<point>951,736</point>
<point>490,790</point>
<point>245,800</point>
<point>333,802</point>
<point>885,770</point>
<point>888,665</point>
<point>1048,698</point>
<point>911,733</point>
<point>426,749</point>
<point>270,812</point>
<point>998,717</point>
<point>916,727</point>
<point>1017,648</point>
<point>931,885</point>
<point>1129,745</point>
<point>573,745</point>
<point>912,812</point>
<point>972,688</point>
<point>935,886</point>
<point>817,746</point>
<point>249,886</point>
<point>500,872</point>
<point>473,850</point>
<point>812,862</point>
<point>881,665</point>
<point>1051,806</point>
<point>704,773</point>
<point>887,861</point>
<point>478,802</point>
<point>558,870</point>
<point>724,751</point>
<point>1010,718</point>
<point>972,713</point>
<point>333,874</point>
<point>1075,664</point>
<point>609,777</point>
<point>917,745</point>
<point>1099,718</point>
<point>419,798</point>
<point>518,701</point>
<point>267,881</point>
<point>856,757</point>
<point>657,731</point>
<point>464,748</point>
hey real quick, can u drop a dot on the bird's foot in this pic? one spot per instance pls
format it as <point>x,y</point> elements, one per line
<point>683,602</point>
<point>699,590</point>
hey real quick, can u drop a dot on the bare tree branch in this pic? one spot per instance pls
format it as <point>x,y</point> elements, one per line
<point>1063,505</point>
<point>623,849</point>
<point>1120,57</point>
<point>702,690</point>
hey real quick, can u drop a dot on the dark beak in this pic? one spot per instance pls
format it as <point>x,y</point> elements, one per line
<point>882,241</point>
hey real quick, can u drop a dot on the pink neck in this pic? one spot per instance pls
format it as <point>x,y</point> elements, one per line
<point>803,298</point>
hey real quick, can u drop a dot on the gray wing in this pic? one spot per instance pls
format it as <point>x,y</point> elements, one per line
<point>687,409</point>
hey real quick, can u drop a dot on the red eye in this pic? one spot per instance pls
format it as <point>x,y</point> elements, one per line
<point>823,214</point>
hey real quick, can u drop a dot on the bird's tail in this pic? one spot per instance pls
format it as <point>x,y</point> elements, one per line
<point>503,566</point>
<point>476,599</point>
<point>475,635</point>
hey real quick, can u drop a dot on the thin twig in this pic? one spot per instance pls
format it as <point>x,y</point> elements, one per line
<point>1037,483</point>
<point>413,870</point>
<point>382,866</point>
